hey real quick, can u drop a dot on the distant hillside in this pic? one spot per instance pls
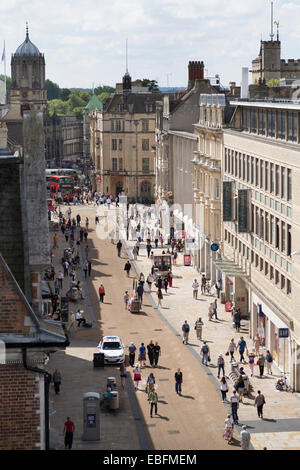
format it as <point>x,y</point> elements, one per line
<point>171,89</point>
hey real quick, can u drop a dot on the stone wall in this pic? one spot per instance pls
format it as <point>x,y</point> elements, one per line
<point>11,229</point>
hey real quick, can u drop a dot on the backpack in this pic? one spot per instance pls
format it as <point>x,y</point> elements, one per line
<point>251,359</point>
<point>205,349</point>
<point>186,327</point>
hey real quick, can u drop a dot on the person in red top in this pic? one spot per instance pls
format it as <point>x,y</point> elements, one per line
<point>68,431</point>
<point>101,293</point>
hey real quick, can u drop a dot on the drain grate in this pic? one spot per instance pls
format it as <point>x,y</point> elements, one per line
<point>158,329</point>
<point>164,380</point>
<point>134,333</point>
<point>174,432</point>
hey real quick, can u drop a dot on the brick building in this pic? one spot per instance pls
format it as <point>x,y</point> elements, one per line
<point>26,341</point>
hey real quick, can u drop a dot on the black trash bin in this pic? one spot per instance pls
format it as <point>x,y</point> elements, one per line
<point>98,360</point>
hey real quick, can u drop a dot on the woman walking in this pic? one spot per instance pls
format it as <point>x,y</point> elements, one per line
<point>166,283</point>
<point>137,376</point>
<point>149,281</point>
<point>223,388</point>
<point>228,429</point>
<point>170,279</point>
<point>251,358</point>
<point>198,327</point>
<point>256,344</point>
<point>159,296</point>
<point>259,403</point>
<point>123,375</point>
<point>240,387</point>
<point>150,385</point>
<point>231,349</point>
<point>142,355</point>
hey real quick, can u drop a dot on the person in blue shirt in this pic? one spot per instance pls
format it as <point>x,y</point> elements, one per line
<point>242,346</point>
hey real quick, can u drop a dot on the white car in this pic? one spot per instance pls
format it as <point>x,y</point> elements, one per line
<point>113,349</point>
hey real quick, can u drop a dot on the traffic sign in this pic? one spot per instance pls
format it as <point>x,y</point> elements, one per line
<point>99,180</point>
<point>214,247</point>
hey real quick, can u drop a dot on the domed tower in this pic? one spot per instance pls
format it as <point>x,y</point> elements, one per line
<point>28,76</point>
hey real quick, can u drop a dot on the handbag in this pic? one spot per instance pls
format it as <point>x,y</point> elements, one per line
<point>208,358</point>
<point>258,362</point>
<point>227,354</point>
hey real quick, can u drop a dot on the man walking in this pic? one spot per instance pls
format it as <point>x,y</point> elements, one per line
<point>127,267</point>
<point>101,293</point>
<point>178,381</point>
<point>203,284</point>
<point>185,329</point>
<point>131,349</point>
<point>119,248</point>
<point>242,346</point>
<point>156,353</point>
<point>57,381</point>
<point>245,438</point>
<point>69,428</point>
<point>140,292</point>
<point>259,403</point>
<point>205,353</point>
<point>218,287</point>
<point>234,400</point>
<point>153,398</point>
<point>195,287</point>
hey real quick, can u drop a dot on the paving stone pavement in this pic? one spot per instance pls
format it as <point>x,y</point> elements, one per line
<point>282,411</point>
<point>181,420</point>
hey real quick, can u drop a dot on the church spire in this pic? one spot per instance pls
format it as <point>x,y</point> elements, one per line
<point>27,33</point>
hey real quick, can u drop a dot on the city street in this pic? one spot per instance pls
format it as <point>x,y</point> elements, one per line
<point>175,426</point>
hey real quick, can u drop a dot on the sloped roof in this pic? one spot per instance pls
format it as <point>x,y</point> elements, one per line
<point>27,48</point>
<point>94,103</point>
<point>135,103</point>
<point>44,333</point>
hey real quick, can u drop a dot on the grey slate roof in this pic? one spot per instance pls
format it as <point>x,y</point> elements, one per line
<point>27,48</point>
<point>133,102</point>
<point>45,332</point>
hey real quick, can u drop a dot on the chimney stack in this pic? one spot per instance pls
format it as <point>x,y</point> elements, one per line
<point>196,71</point>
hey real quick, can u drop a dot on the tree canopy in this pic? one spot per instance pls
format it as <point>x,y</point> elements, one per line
<point>273,82</point>
<point>8,81</point>
<point>73,102</point>
<point>151,84</point>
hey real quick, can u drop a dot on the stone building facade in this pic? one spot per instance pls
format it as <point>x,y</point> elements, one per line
<point>269,65</point>
<point>122,142</point>
<point>214,116</point>
<point>26,339</point>
<point>28,76</point>
<point>260,172</point>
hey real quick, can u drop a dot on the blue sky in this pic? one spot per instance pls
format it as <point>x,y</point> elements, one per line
<point>84,40</point>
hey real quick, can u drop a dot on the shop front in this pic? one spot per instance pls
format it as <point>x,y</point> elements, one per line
<point>269,326</point>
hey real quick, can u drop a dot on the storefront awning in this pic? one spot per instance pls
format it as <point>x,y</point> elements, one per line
<point>230,268</point>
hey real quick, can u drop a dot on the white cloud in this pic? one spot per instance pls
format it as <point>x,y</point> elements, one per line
<point>84,41</point>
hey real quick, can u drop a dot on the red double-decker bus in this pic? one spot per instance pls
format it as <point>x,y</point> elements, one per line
<point>62,188</point>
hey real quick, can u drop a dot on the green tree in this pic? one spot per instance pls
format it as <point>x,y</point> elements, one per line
<point>78,98</point>
<point>64,94</point>
<point>59,106</point>
<point>103,95</point>
<point>151,84</point>
<point>104,89</point>
<point>8,81</point>
<point>273,82</point>
<point>53,90</point>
